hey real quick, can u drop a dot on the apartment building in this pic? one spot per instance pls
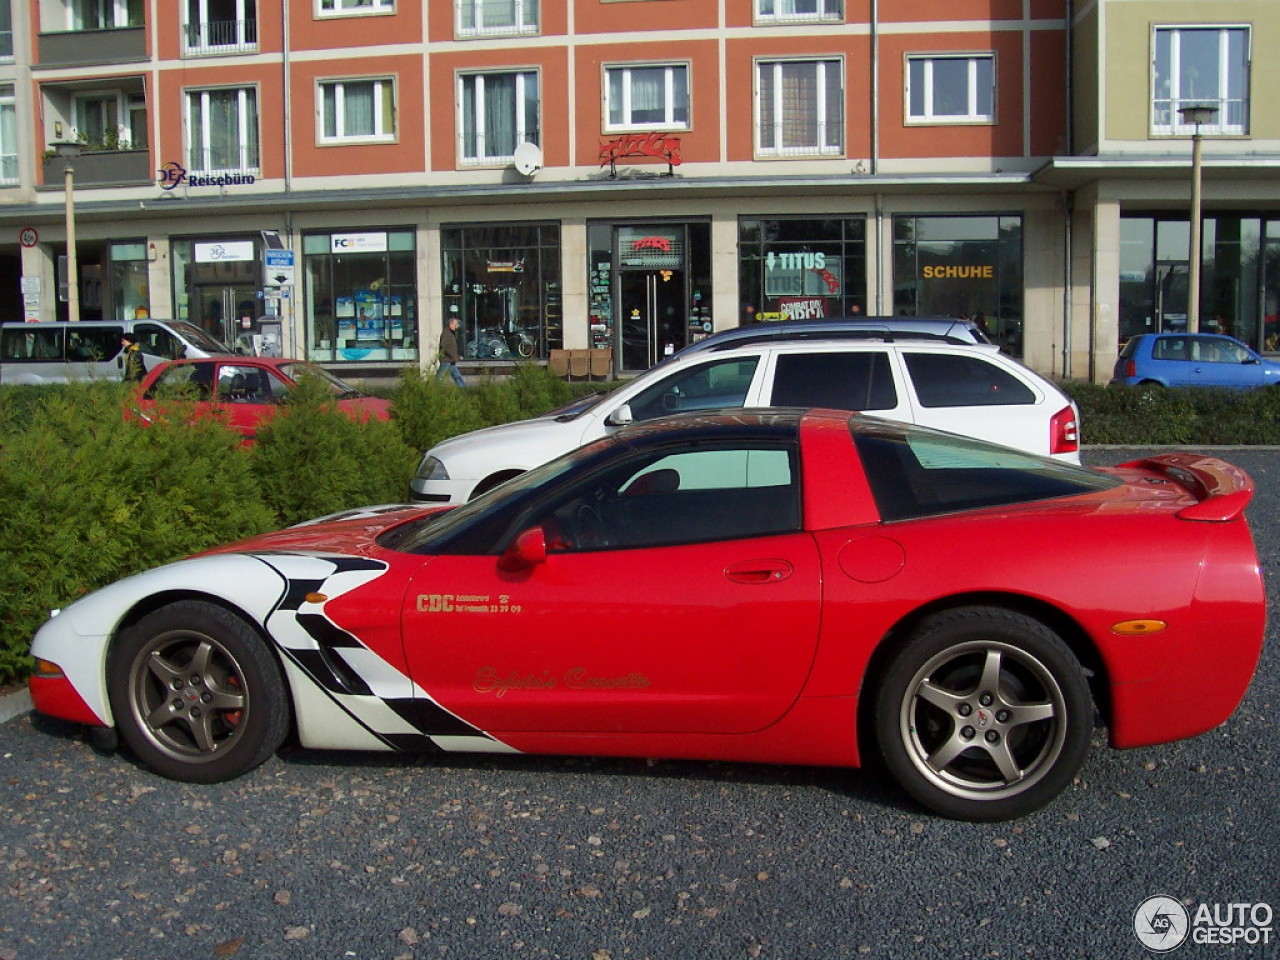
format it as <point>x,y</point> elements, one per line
<point>634,174</point>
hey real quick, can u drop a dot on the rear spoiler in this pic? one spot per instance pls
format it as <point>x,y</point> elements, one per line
<point>1222,491</point>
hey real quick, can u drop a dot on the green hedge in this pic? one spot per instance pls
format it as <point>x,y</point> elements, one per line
<point>90,497</point>
<point>1146,416</point>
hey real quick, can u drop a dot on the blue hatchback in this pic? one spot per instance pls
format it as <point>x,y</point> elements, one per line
<point>1192,360</point>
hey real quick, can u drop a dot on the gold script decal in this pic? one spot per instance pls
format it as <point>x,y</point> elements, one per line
<point>577,679</point>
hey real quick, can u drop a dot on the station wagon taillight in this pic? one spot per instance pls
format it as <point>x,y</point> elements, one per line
<point>1064,431</point>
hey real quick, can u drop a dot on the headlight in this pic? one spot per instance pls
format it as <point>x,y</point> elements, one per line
<point>431,469</point>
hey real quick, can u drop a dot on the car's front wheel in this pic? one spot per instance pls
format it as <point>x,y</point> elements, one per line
<point>984,714</point>
<point>196,694</point>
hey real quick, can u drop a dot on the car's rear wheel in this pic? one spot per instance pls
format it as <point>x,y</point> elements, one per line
<point>984,714</point>
<point>196,693</point>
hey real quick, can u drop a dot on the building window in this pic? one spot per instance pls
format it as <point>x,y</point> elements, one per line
<point>333,8</point>
<point>103,14</point>
<point>496,18</point>
<point>6,31</point>
<point>357,110</point>
<point>503,284</point>
<point>362,295</point>
<point>802,268</point>
<point>222,131</point>
<point>644,97</point>
<point>129,298</point>
<point>499,111</point>
<point>113,120</point>
<point>799,11</point>
<point>800,108</point>
<point>962,266</point>
<point>947,89</point>
<point>221,26</point>
<point>8,138</point>
<point>1201,66</point>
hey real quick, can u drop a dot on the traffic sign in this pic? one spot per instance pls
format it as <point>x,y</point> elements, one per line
<point>278,267</point>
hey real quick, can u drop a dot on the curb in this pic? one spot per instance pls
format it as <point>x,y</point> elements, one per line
<point>15,704</point>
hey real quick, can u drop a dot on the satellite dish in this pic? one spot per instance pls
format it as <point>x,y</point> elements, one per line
<point>527,159</point>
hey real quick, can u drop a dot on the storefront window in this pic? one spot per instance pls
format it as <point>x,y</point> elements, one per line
<point>802,268</point>
<point>362,302</point>
<point>962,267</point>
<point>503,285</point>
<point>130,293</point>
<point>1237,272</point>
<point>218,286</point>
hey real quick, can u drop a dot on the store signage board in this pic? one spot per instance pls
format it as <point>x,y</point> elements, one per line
<point>225,250</point>
<point>358,243</point>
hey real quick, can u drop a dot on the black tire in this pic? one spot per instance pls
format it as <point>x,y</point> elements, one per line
<point>197,695</point>
<point>984,714</point>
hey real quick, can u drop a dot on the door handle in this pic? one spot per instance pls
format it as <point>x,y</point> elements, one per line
<point>759,571</point>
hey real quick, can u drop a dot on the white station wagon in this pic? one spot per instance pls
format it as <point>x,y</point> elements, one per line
<point>970,389</point>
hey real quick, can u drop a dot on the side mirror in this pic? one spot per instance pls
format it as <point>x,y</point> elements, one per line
<point>620,417</point>
<point>528,550</point>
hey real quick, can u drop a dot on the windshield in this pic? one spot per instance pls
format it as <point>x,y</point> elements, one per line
<point>339,388</point>
<point>198,338</point>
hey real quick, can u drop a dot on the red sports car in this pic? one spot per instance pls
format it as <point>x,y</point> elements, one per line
<point>767,586</point>
<point>247,390</point>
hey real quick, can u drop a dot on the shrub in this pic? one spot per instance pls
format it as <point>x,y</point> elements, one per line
<point>429,410</point>
<point>311,459</point>
<point>90,498</point>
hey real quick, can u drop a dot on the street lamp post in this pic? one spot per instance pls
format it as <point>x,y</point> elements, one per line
<point>68,151</point>
<point>1196,115</point>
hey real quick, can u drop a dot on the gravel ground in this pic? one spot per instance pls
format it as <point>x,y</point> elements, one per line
<point>370,856</point>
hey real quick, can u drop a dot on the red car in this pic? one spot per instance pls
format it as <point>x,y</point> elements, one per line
<point>247,390</point>
<point>772,586</point>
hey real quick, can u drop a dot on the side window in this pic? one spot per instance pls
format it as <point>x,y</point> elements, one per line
<point>1208,350</point>
<point>34,343</point>
<point>242,384</point>
<point>189,380</point>
<point>722,383</point>
<point>1170,348</point>
<point>159,342</point>
<point>93,343</point>
<point>950,380</point>
<point>842,381</point>
<point>690,496</point>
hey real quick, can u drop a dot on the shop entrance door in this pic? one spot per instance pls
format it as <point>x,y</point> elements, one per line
<point>229,313</point>
<point>1172,290</point>
<point>652,308</point>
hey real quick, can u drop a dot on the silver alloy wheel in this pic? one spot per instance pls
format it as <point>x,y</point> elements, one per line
<point>983,720</point>
<point>186,695</point>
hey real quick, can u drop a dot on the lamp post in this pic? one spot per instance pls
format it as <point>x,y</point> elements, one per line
<point>68,151</point>
<point>1195,114</point>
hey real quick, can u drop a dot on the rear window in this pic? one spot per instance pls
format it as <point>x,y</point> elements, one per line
<point>950,380</point>
<point>842,381</point>
<point>923,473</point>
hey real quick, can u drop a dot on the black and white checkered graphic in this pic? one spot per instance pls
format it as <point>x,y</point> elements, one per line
<point>354,679</point>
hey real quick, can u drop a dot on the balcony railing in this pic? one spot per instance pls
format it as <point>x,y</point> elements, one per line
<point>222,36</point>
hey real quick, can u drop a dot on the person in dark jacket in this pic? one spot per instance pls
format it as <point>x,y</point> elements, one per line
<point>134,368</point>
<point>449,355</point>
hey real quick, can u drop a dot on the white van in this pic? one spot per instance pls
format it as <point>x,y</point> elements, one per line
<point>59,351</point>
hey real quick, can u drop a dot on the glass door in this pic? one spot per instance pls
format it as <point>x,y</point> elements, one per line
<point>651,305</point>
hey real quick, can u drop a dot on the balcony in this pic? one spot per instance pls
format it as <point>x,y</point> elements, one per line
<point>103,168</point>
<point>116,45</point>
<point>218,37</point>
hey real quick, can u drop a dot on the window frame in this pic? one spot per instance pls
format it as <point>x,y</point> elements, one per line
<point>246,125</point>
<point>830,11</point>
<point>522,133</point>
<point>820,120</point>
<point>9,172</point>
<point>338,86</point>
<point>973,117</point>
<point>671,107</point>
<point>1220,127</point>
<point>198,39</point>
<point>520,28</point>
<point>353,8</point>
